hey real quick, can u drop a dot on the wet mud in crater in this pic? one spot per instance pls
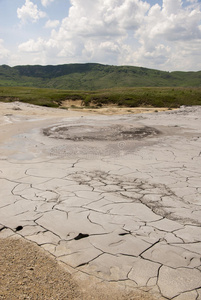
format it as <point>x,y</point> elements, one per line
<point>100,133</point>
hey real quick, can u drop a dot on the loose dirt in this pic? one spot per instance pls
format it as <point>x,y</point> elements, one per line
<point>28,272</point>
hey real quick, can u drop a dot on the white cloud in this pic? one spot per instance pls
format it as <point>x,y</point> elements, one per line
<point>4,53</point>
<point>171,27</point>
<point>30,12</point>
<point>46,2</point>
<point>39,51</point>
<point>104,17</point>
<point>32,46</point>
<point>95,30</point>
<point>52,24</point>
<point>124,32</point>
<point>192,1</point>
<point>172,6</point>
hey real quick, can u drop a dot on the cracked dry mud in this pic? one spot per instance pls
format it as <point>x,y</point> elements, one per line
<point>114,199</point>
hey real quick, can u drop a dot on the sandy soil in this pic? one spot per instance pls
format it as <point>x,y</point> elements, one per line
<point>27,271</point>
<point>17,108</point>
<point>108,109</point>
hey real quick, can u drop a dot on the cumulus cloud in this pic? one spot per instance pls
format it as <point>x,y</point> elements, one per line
<point>125,32</point>
<point>32,45</point>
<point>4,53</point>
<point>104,17</point>
<point>172,6</point>
<point>39,51</point>
<point>170,27</point>
<point>52,24</point>
<point>46,2</point>
<point>95,30</point>
<point>30,12</point>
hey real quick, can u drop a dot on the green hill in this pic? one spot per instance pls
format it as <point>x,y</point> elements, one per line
<point>93,76</point>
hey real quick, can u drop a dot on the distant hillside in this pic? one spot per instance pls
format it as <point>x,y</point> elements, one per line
<point>94,76</point>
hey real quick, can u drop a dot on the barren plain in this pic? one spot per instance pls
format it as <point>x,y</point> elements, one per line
<point>100,206</point>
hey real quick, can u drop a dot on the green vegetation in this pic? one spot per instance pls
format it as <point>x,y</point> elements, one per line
<point>97,85</point>
<point>94,77</point>
<point>130,97</point>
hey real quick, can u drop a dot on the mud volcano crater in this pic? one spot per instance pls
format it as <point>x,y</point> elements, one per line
<point>100,132</point>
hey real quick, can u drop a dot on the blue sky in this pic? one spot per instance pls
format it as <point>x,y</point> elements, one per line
<point>159,34</point>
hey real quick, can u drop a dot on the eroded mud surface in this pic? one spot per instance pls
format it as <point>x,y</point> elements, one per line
<point>99,133</point>
<point>117,198</point>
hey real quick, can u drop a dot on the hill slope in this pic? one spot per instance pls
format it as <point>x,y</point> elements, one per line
<point>94,76</point>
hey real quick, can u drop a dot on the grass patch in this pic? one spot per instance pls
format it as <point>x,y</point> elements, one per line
<point>126,97</point>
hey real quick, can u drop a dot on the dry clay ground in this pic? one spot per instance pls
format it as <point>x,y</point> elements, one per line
<point>27,272</point>
<point>112,213</point>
